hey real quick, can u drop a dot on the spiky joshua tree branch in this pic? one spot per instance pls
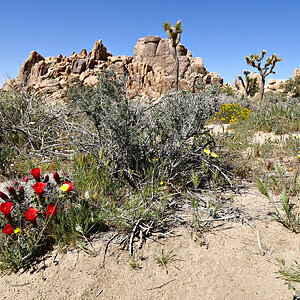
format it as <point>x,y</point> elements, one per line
<point>255,60</point>
<point>174,34</point>
<point>249,84</point>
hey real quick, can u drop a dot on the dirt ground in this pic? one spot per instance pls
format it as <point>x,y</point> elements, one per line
<point>230,266</point>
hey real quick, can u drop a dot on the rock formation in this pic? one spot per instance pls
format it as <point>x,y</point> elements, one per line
<point>275,85</point>
<point>296,72</point>
<point>150,72</point>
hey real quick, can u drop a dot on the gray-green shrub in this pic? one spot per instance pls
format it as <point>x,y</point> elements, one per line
<point>171,129</point>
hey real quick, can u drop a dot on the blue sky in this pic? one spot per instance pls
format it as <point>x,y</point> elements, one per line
<point>222,32</point>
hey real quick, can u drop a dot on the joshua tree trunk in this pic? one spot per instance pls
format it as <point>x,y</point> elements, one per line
<point>262,87</point>
<point>174,36</point>
<point>176,67</point>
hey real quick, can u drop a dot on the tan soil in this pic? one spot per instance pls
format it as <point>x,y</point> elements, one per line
<point>231,266</point>
<point>262,137</point>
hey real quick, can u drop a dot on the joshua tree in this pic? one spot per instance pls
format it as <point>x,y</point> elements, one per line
<point>249,84</point>
<point>174,36</point>
<point>255,61</point>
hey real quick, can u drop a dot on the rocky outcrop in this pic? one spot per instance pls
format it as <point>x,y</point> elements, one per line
<point>296,72</point>
<point>275,85</point>
<point>152,69</point>
<point>150,72</point>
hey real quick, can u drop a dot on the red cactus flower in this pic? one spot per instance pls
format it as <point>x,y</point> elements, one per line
<point>71,186</point>
<point>51,210</point>
<point>36,173</point>
<point>56,177</point>
<point>31,214</point>
<point>21,191</point>
<point>4,196</point>
<point>5,208</point>
<point>8,229</point>
<point>67,187</point>
<point>46,178</point>
<point>39,187</point>
<point>25,179</point>
<point>16,183</point>
<point>12,191</point>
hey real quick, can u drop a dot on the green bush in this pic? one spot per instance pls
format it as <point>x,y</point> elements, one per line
<point>280,118</point>
<point>28,125</point>
<point>288,214</point>
<point>130,134</point>
<point>227,90</point>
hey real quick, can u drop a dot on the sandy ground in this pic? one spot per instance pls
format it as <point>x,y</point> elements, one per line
<point>230,266</point>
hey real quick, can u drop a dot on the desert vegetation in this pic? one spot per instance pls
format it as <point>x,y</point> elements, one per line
<point>99,162</point>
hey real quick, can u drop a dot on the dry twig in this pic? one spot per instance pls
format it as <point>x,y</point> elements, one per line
<point>106,248</point>
<point>160,286</point>
<point>132,237</point>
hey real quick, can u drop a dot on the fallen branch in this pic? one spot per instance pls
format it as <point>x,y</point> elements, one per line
<point>160,286</point>
<point>132,237</point>
<point>219,219</point>
<point>106,248</point>
<point>263,252</point>
<point>19,285</point>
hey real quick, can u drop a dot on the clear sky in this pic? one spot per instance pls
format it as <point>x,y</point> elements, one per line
<point>222,32</point>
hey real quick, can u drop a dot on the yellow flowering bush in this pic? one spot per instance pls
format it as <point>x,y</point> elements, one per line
<point>232,112</point>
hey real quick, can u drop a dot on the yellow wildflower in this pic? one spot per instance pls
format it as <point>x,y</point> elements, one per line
<point>207,151</point>
<point>213,154</point>
<point>64,187</point>
<point>17,230</point>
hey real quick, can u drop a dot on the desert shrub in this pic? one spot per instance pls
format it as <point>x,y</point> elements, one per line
<point>271,98</point>
<point>117,121</point>
<point>131,135</point>
<point>290,273</point>
<point>288,214</point>
<point>226,90</point>
<point>202,71</point>
<point>121,204</point>
<point>292,86</point>
<point>26,126</point>
<point>32,129</point>
<point>280,118</point>
<point>232,113</point>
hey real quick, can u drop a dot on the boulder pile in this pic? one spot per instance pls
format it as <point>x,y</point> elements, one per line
<point>150,72</point>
